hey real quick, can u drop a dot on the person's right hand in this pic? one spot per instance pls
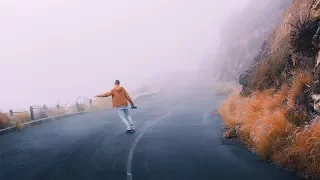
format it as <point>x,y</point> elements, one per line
<point>133,106</point>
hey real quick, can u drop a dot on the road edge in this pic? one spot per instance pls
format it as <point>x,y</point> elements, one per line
<point>40,121</point>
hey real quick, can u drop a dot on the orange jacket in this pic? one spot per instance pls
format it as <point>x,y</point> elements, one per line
<point>120,97</point>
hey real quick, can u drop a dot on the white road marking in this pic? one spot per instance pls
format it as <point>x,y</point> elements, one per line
<point>133,146</point>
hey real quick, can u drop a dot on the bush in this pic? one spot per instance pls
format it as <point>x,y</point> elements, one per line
<point>271,127</point>
<point>19,125</point>
<point>40,113</point>
<point>4,121</point>
<point>303,154</point>
<point>57,111</point>
<point>22,117</point>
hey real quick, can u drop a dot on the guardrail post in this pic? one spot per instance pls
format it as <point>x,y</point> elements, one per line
<point>32,113</point>
<point>78,108</point>
<point>46,110</point>
<point>90,101</point>
<point>11,112</point>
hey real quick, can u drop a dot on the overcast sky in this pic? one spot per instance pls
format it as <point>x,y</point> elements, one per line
<point>53,50</point>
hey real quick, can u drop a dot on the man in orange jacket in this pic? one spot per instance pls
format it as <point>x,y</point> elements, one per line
<point>120,99</point>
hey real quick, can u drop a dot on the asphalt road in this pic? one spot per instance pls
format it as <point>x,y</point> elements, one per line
<point>177,138</point>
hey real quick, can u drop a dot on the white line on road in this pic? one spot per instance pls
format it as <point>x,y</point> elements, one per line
<point>133,146</point>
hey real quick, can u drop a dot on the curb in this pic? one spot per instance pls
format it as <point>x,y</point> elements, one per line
<point>40,121</point>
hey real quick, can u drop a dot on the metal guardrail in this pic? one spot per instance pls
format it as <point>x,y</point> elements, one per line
<point>35,122</point>
<point>39,113</point>
<point>36,112</point>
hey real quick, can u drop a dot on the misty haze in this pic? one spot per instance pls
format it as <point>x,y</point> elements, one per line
<point>54,51</point>
<point>159,89</point>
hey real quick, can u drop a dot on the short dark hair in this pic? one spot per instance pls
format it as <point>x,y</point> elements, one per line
<point>117,82</point>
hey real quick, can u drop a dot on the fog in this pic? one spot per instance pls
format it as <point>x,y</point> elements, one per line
<point>56,50</point>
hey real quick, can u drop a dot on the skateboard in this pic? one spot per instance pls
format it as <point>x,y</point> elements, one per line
<point>130,131</point>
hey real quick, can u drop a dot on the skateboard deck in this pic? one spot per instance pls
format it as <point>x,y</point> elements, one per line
<point>130,131</point>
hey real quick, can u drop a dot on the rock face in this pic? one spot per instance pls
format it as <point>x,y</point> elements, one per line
<point>316,74</point>
<point>244,78</point>
<point>244,36</point>
<point>285,94</point>
<point>272,38</point>
<point>232,133</point>
<point>298,11</point>
<point>300,28</point>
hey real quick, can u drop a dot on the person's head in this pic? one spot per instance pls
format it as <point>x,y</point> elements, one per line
<point>117,83</point>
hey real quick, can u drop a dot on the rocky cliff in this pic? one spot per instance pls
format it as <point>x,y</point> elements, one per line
<point>244,34</point>
<point>292,46</point>
<point>277,114</point>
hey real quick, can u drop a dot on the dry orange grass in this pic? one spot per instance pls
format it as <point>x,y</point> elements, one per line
<point>231,108</point>
<point>19,124</point>
<point>57,112</point>
<point>22,117</point>
<point>4,121</point>
<point>266,130</point>
<point>303,152</point>
<point>301,79</point>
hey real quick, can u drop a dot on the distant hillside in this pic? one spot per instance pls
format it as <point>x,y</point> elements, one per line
<point>243,35</point>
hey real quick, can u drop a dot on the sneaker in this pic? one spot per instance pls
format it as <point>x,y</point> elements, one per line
<point>131,127</point>
<point>130,131</point>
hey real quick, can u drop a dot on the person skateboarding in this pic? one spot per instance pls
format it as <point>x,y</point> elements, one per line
<point>120,99</point>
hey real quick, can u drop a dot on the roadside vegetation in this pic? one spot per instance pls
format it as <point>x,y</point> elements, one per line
<point>277,113</point>
<point>4,120</point>
<point>19,118</point>
<point>269,126</point>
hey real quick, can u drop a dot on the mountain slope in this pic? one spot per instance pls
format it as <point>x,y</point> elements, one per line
<point>243,34</point>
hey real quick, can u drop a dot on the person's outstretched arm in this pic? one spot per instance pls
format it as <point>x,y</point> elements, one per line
<point>128,97</point>
<point>107,94</point>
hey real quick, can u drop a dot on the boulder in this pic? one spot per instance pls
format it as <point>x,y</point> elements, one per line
<point>316,102</point>
<point>232,133</point>
<point>244,78</point>
<point>305,104</point>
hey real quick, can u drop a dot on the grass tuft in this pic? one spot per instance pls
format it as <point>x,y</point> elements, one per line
<point>4,121</point>
<point>269,126</point>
